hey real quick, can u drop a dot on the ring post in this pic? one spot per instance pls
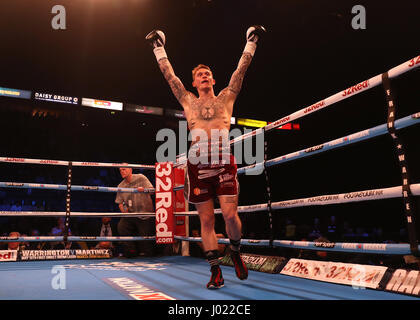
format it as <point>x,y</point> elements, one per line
<point>165,199</point>
<point>68,197</point>
<point>181,222</point>
<point>267,180</point>
<point>409,207</point>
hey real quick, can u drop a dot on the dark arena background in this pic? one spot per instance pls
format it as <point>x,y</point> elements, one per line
<point>311,51</point>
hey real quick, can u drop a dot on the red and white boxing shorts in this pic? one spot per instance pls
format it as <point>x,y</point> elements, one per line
<point>205,181</point>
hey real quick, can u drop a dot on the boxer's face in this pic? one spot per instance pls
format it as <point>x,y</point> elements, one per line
<point>203,79</point>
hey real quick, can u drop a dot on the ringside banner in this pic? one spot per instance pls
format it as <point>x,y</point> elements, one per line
<point>8,255</point>
<point>134,289</point>
<point>404,281</point>
<point>336,272</point>
<point>165,199</point>
<point>64,254</point>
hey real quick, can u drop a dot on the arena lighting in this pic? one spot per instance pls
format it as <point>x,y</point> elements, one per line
<point>102,104</point>
<point>43,113</point>
<point>175,113</point>
<point>143,109</point>
<point>15,93</point>
<point>251,123</point>
<point>259,124</point>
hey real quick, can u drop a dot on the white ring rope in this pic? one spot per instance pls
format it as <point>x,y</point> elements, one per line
<point>78,188</point>
<point>75,163</point>
<point>355,196</point>
<point>349,92</point>
<point>336,143</point>
<point>73,238</point>
<point>373,248</point>
<point>73,214</point>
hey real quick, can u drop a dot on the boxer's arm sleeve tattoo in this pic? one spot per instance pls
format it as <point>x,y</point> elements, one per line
<point>237,78</point>
<point>174,82</point>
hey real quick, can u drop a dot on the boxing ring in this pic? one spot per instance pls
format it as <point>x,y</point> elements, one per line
<point>183,277</point>
<point>171,277</point>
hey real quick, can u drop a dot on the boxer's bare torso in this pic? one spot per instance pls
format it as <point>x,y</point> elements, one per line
<point>206,112</point>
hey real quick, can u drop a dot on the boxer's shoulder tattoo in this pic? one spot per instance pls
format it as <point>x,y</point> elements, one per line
<point>235,83</point>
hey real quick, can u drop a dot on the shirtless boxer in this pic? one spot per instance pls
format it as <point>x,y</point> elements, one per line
<point>206,115</point>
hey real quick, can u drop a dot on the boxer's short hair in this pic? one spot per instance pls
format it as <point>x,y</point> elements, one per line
<point>200,66</point>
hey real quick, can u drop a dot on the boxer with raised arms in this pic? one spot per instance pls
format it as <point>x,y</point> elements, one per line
<point>208,117</point>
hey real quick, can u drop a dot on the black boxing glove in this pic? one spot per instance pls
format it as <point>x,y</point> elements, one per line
<point>252,35</point>
<point>157,40</point>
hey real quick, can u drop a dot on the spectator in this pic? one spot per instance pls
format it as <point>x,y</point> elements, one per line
<point>36,245</point>
<point>136,202</point>
<point>59,229</point>
<point>303,230</point>
<point>361,234</point>
<point>106,229</point>
<point>290,231</point>
<point>348,232</point>
<point>411,262</point>
<point>23,245</point>
<point>65,245</point>
<point>323,255</point>
<point>316,230</point>
<point>332,231</point>
<point>16,206</point>
<point>377,234</point>
<point>14,245</point>
<point>305,254</point>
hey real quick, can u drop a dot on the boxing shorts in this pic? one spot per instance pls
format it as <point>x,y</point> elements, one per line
<point>204,180</point>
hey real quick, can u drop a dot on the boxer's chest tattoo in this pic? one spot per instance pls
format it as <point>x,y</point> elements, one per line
<point>208,110</point>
